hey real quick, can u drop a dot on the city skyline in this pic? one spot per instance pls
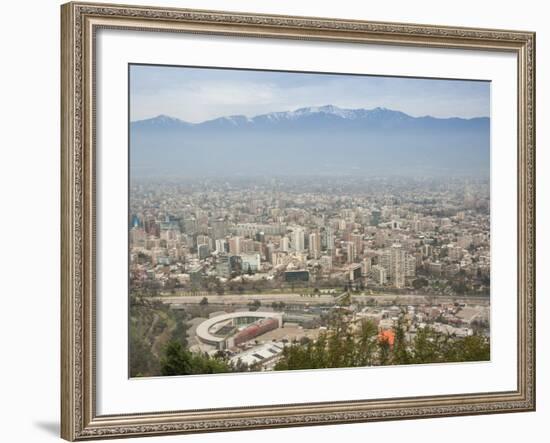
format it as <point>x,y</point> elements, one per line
<point>249,272</point>
<point>332,233</point>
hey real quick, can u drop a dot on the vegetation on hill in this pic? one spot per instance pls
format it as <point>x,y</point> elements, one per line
<point>159,346</point>
<point>152,326</point>
<point>345,345</point>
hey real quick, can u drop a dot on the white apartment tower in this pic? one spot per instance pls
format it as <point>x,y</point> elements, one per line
<point>298,240</point>
<point>394,260</point>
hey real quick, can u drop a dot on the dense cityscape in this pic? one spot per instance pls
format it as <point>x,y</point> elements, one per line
<point>231,274</point>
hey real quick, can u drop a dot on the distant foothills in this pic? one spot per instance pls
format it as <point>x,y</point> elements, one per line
<point>325,140</point>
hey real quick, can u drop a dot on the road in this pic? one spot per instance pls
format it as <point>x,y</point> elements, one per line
<point>266,299</point>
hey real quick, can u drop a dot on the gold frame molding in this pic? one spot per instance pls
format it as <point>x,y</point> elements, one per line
<point>79,22</point>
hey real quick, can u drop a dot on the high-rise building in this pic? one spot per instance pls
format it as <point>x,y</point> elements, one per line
<point>135,223</point>
<point>221,246</point>
<point>219,228</point>
<point>203,240</point>
<point>195,274</point>
<point>152,227</point>
<point>247,245</point>
<point>427,250</point>
<point>250,262</point>
<point>351,252</point>
<point>366,265</point>
<point>341,225</point>
<point>235,263</point>
<point>223,266</point>
<point>269,250</point>
<point>379,274</point>
<point>203,251</point>
<point>251,229</point>
<point>297,240</point>
<point>394,261</point>
<point>435,267</point>
<point>454,252</point>
<point>138,237</point>
<point>235,245</point>
<point>169,233</point>
<point>330,239</point>
<point>357,239</point>
<point>354,273</point>
<point>315,244</point>
<point>279,258</point>
<point>285,244</point>
<point>327,238</point>
<point>410,266</point>
<point>202,222</point>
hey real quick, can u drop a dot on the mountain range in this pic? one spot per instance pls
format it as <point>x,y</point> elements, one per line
<point>311,141</point>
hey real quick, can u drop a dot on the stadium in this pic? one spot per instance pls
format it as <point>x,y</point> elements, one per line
<point>226,331</point>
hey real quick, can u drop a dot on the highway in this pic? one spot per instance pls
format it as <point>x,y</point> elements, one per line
<point>265,299</point>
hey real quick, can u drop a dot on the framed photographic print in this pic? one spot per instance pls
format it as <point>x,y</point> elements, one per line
<point>282,221</point>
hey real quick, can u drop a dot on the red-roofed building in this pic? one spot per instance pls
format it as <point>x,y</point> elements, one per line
<point>387,335</point>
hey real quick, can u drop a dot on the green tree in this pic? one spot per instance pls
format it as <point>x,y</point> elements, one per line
<point>176,360</point>
<point>254,305</point>
<point>179,361</point>
<point>426,346</point>
<point>367,343</point>
<point>142,360</point>
<point>472,348</point>
<point>179,333</point>
<point>384,352</point>
<point>400,355</point>
<point>345,346</point>
<point>419,283</point>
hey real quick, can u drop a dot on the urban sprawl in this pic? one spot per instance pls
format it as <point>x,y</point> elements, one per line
<point>251,273</point>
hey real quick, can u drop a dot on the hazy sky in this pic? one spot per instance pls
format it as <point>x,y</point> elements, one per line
<point>199,94</point>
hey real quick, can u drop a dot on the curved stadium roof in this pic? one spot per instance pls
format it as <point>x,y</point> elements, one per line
<point>203,328</point>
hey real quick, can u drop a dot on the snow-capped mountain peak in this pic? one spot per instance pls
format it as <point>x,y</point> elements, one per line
<point>321,115</point>
<point>344,113</point>
<point>236,119</point>
<point>326,109</point>
<point>327,139</point>
<point>161,122</point>
<point>163,118</point>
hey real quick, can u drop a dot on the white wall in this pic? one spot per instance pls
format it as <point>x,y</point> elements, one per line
<point>29,218</point>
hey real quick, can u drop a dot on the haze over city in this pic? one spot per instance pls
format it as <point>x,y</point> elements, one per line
<point>310,237</point>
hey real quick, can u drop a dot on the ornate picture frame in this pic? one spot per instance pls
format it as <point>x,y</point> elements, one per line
<point>80,23</point>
